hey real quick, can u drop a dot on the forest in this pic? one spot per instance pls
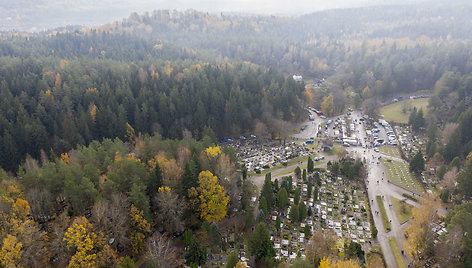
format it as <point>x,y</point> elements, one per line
<point>97,204</point>
<point>172,71</point>
<point>108,134</point>
<point>51,103</point>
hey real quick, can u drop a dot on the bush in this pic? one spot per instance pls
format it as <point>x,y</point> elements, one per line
<point>374,231</point>
<point>410,197</point>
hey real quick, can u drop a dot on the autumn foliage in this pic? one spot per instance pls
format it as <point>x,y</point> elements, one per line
<point>212,197</point>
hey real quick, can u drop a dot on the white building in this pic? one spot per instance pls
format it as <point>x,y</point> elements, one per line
<point>297,78</point>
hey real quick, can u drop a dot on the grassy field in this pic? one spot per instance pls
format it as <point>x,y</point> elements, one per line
<point>291,162</point>
<point>403,210</point>
<point>397,253</point>
<point>399,174</point>
<point>337,149</point>
<point>394,112</point>
<point>390,150</point>
<point>385,220</point>
<point>290,171</point>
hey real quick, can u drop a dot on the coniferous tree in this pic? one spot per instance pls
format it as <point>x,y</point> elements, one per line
<point>294,213</point>
<point>260,245</point>
<point>282,198</point>
<point>296,197</point>
<point>310,165</point>
<point>197,253</point>
<point>268,192</point>
<point>188,180</point>
<point>417,163</point>
<point>302,211</point>
<point>412,117</point>
<point>155,180</point>
<point>263,205</point>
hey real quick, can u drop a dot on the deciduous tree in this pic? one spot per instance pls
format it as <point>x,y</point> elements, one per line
<point>329,263</point>
<point>11,252</point>
<point>160,252</point>
<point>320,245</point>
<point>212,197</point>
<point>419,243</point>
<point>327,106</point>
<point>81,238</point>
<point>169,210</point>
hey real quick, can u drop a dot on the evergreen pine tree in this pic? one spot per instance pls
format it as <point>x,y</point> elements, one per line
<point>155,181</point>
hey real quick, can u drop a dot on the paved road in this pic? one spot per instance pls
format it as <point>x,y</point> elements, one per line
<point>311,127</point>
<point>377,185</point>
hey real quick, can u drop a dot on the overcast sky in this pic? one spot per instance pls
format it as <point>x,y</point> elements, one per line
<point>252,6</point>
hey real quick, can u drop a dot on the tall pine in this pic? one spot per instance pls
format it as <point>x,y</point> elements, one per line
<point>268,192</point>
<point>189,180</point>
<point>155,181</point>
<point>310,165</point>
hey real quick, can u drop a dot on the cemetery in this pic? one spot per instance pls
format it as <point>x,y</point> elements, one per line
<point>337,205</point>
<point>262,154</point>
<point>409,143</point>
<point>399,174</point>
<point>390,150</point>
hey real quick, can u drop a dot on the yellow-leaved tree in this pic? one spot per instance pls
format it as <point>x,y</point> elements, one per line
<point>213,152</point>
<point>141,227</point>
<point>328,263</point>
<point>130,133</point>
<point>212,197</point>
<point>84,241</point>
<point>240,265</point>
<point>420,233</point>
<point>308,97</point>
<point>19,235</point>
<point>327,106</point>
<point>93,112</point>
<point>171,171</point>
<point>11,251</point>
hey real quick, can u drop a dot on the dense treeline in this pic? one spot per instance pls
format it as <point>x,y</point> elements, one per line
<point>404,48</point>
<point>101,204</point>
<point>149,71</point>
<point>71,45</point>
<point>52,102</point>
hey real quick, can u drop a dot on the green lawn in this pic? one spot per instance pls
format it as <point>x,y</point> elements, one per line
<point>385,220</point>
<point>397,253</point>
<point>390,150</point>
<point>290,162</point>
<point>403,210</point>
<point>399,174</point>
<point>394,112</point>
<point>337,149</point>
<point>292,170</point>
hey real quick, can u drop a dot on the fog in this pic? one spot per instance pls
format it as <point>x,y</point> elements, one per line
<point>36,15</point>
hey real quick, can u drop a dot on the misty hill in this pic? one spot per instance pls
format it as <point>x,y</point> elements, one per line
<point>154,71</point>
<point>41,15</point>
